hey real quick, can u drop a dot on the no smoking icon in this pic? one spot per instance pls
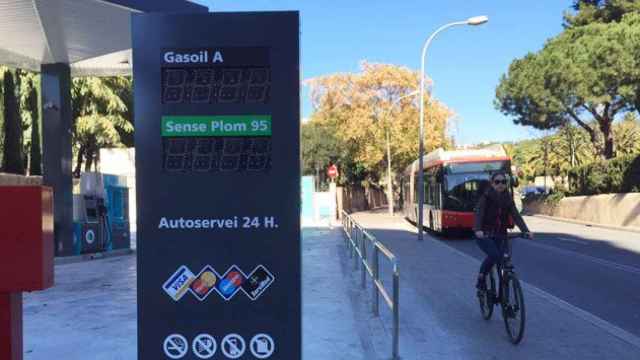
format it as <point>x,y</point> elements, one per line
<point>204,346</point>
<point>175,346</point>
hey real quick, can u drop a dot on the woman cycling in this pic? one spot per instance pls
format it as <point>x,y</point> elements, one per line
<point>492,218</point>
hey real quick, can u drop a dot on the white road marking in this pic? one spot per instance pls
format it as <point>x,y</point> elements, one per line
<point>610,264</point>
<point>581,242</point>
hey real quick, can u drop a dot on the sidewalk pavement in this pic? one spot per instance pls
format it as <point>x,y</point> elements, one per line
<point>91,311</point>
<point>440,316</point>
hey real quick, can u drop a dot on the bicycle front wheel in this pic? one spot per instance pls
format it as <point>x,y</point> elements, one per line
<point>513,309</point>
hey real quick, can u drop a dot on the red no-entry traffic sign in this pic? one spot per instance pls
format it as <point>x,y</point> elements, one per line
<point>332,171</point>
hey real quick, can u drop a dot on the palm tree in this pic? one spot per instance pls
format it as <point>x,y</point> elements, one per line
<point>100,117</point>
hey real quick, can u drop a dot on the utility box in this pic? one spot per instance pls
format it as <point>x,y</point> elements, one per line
<point>26,238</point>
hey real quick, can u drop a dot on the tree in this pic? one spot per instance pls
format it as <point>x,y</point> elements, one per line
<point>100,117</point>
<point>319,148</point>
<point>587,71</point>
<point>586,12</point>
<point>357,106</point>
<point>627,135</point>
<point>31,122</point>
<point>13,160</point>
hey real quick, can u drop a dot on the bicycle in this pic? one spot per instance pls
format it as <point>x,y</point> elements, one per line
<point>509,295</point>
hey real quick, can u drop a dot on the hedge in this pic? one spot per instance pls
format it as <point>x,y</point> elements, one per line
<point>618,175</point>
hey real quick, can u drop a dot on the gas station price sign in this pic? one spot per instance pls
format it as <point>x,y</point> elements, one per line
<point>217,172</point>
<point>216,143</point>
<point>203,76</point>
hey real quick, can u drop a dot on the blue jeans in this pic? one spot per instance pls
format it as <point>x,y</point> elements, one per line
<point>494,247</point>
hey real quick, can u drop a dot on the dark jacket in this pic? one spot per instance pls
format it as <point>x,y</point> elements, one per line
<point>493,212</point>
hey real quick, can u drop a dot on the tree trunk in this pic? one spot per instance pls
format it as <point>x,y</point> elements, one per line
<point>89,162</point>
<point>605,127</point>
<point>13,149</point>
<point>78,169</point>
<point>592,135</point>
<point>35,156</point>
<point>389,182</point>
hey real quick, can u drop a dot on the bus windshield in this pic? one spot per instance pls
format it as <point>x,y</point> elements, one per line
<point>465,182</point>
<point>464,190</point>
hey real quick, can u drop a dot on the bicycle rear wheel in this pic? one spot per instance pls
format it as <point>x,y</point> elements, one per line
<point>513,309</point>
<point>486,298</point>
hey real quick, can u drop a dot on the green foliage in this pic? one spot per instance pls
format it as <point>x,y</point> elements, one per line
<point>101,109</point>
<point>554,197</point>
<point>30,104</point>
<point>13,160</point>
<point>617,175</point>
<point>627,135</point>
<point>319,148</point>
<point>586,71</point>
<point>554,154</point>
<point>599,11</point>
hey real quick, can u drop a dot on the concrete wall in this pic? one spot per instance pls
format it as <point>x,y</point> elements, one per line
<point>608,209</point>
<point>11,179</point>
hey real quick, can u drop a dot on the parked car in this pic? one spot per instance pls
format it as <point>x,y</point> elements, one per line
<point>533,190</point>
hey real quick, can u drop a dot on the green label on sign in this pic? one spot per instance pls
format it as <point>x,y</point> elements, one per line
<point>231,125</point>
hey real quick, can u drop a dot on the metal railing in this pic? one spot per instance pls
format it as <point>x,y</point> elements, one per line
<point>356,239</point>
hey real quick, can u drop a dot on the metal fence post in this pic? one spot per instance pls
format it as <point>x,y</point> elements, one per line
<point>355,244</point>
<point>396,313</point>
<point>376,278</point>
<point>363,251</point>
<point>353,239</point>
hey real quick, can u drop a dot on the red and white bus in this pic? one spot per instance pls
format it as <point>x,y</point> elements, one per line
<point>453,183</point>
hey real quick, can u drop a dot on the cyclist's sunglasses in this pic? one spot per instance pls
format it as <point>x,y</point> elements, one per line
<point>498,182</point>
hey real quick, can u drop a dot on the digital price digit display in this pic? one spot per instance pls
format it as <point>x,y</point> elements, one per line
<point>216,84</point>
<point>223,154</point>
<point>216,76</point>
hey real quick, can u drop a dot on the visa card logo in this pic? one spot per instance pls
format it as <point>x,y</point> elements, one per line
<point>178,284</point>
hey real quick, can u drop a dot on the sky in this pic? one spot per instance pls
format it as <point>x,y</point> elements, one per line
<point>465,62</point>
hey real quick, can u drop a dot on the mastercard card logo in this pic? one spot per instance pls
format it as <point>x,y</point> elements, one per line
<point>204,283</point>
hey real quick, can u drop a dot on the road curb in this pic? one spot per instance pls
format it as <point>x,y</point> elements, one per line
<point>586,223</point>
<point>95,256</point>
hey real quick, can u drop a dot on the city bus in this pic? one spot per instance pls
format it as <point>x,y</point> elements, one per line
<point>453,183</point>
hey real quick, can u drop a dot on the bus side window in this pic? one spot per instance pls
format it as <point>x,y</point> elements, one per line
<point>427,187</point>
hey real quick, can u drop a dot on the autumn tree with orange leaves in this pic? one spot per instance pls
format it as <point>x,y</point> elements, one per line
<point>360,108</point>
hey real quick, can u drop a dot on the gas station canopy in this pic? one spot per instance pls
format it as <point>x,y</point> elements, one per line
<point>61,38</point>
<point>92,36</point>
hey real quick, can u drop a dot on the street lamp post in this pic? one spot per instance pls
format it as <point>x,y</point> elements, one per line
<point>477,20</point>
<point>386,117</point>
